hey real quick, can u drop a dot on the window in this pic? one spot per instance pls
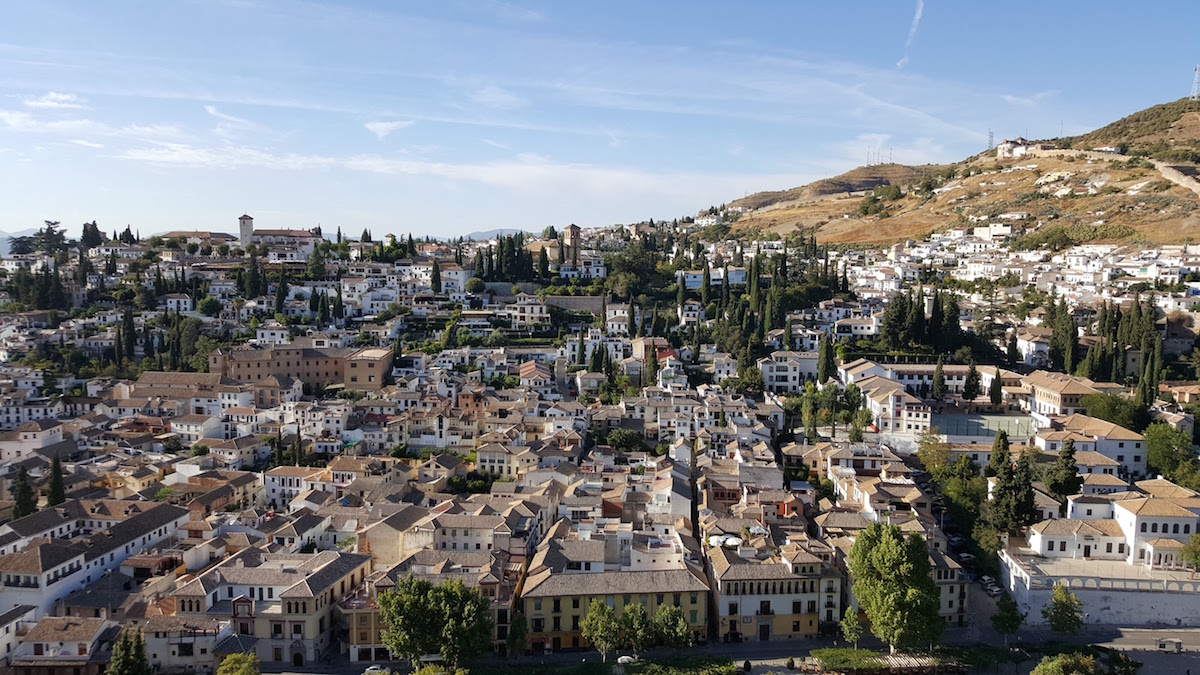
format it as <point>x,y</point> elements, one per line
<point>1062,545</point>
<point>733,609</point>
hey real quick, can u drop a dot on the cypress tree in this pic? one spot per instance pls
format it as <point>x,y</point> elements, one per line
<point>939,381</point>
<point>281,292</point>
<point>1001,457</point>
<point>971,384</point>
<point>57,493</point>
<point>826,367</point>
<point>705,284</point>
<point>995,390</point>
<point>24,501</point>
<point>435,277</point>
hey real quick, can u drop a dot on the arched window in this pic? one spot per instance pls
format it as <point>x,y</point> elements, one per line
<point>1154,527</point>
<point>1143,527</point>
<point>1175,529</point>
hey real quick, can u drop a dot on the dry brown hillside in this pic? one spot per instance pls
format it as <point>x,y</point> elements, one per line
<point>861,179</point>
<point>1130,198</point>
<point>1094,196</point>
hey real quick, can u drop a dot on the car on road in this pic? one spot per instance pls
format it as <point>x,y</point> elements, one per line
<point>966,558</point>
<point>376,670</point>
<point>987,580</point>
<point>626,660</point>
<point>956,541</point>
<point>993,591</point>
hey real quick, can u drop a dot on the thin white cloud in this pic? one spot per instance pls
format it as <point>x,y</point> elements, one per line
<point>494,144</point>
<point>527,174</point>
<point>230,126</point>
<point>384,129</point>
<point>1012,99</point>
<point>493,96</point>
<point>212,110</point>
<point>87,144</point>
<point>912,33</point>
<point>55,100</point>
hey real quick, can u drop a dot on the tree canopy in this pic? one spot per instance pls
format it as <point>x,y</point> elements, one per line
<point>448,619</point>
<point>892,583</point>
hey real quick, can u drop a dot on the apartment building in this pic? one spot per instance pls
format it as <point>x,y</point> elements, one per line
<point>285,601</point>
<point>760,595</point>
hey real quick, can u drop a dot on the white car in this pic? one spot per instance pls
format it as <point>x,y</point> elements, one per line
<point>626,660</point>
<point>376,670</point>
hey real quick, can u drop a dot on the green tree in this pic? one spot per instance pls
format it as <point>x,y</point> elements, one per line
<point>851,628</point>
<point>465,618</point>
<point>24,503</point>
<point>239,664</point>
<point>209,306</point>
<point>1001,456</point>
<point>939,391</point>
<point>57,492</point>
<point>517,631</point>
<point>435,277</point>
<point>636,628</point>
<point>1073,663</point>
<point>826,366</point>
<point>128,654</point>
<point>995,389</point>
<point>1191,553</point>
<point>1063,479</point>
<point>892,583</point>
<point>475,285</point>
<point>449,619</point>
<point>1166,448</point>
<point>600,628</point>
<point>971,388</point>
<point>281,293</point>
<point>163,494</point>
<point>1012,506</point>
<point>1008,617</point>
<point>672,628</point>
<point>934,452</point>
<point>1064,614</point>
<point>1118,410</point>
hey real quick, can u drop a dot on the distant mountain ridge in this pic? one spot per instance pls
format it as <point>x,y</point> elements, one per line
<point>492,234</point>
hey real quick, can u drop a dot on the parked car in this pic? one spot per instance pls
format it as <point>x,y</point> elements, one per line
<point>626,660</point>
<point>956,541</point>
<point>966,558</point>
<point>987,580</point>
<point>376,670</point>
<point>993,591</point>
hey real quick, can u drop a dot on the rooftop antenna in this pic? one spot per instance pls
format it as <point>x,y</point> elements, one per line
<point>1196,85</point>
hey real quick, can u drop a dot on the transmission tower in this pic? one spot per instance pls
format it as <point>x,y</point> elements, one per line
<point>991,140</point>
<point>1196,85</point>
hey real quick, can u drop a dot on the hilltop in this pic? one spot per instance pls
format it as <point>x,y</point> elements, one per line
<point>1149,195</point>
<point>1170,132</point>
<point>857,180</point>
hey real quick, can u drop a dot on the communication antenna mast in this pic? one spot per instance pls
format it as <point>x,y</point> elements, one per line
<point>1196,85</point>
<point>991,140</point>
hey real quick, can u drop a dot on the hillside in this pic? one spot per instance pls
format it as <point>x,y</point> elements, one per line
<point>1170,132</point>
<point>1069,194</point>
<point>861,179</point>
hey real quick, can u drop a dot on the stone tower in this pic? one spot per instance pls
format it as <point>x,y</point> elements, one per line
<point>245,230</point>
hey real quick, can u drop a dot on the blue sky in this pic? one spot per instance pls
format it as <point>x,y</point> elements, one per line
<point>448,117</point>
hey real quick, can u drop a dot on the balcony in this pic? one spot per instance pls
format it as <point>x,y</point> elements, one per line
<point>829,604</point>
<point>18,583</point>
<point>764,612</point>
